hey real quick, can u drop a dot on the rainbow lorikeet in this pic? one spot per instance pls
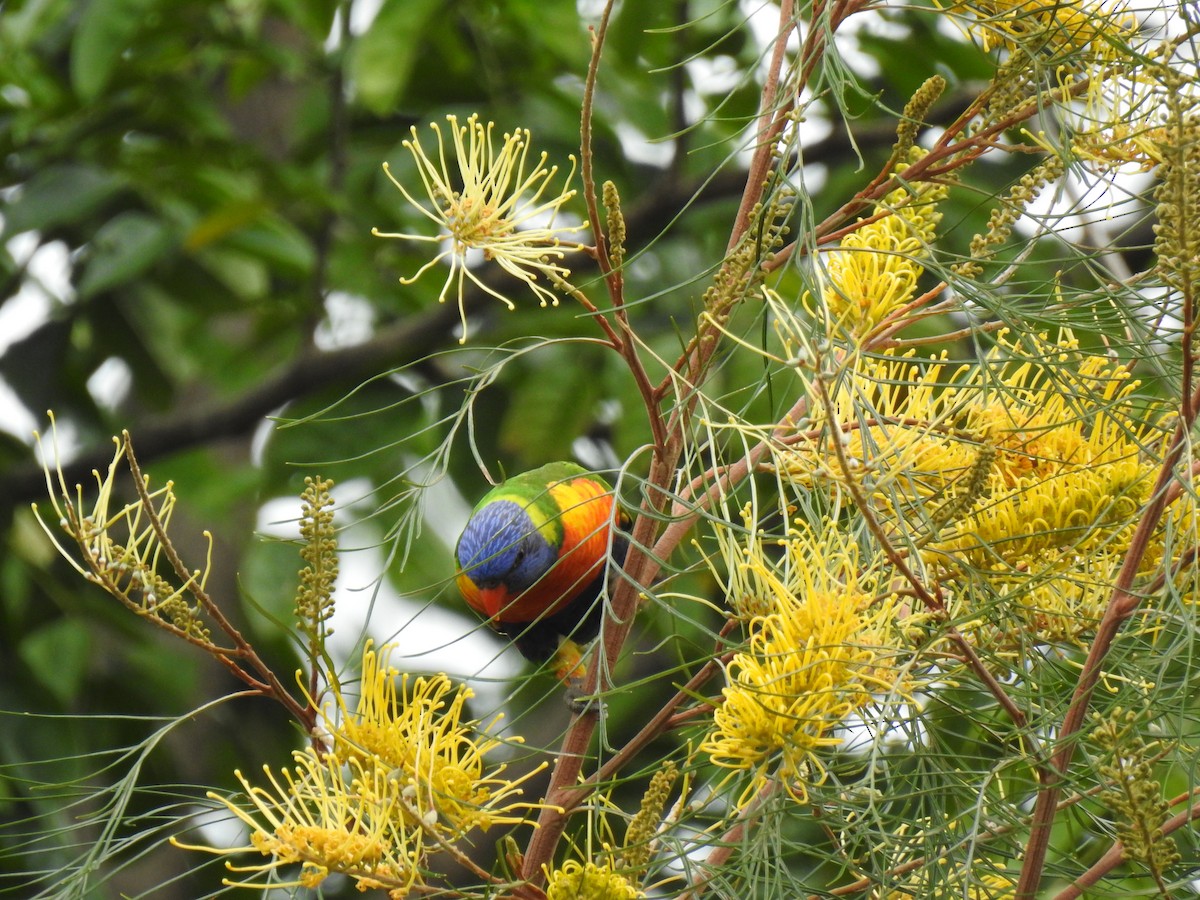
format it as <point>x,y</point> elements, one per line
<point>533,559</point>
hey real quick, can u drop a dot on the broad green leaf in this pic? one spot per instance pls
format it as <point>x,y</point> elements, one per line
<point>119,323</point>
<point>58,655</point>
<point>383,58</point>
<point>269,576</point>
<point>551,407</point>
<point>249,227</point>
<point>315,16</point>
<point>277,243</point>
<point>170,677</point>
<point>241,273</point>
<point>209,486</point>
<point>59,195</point>
<point>221,222</point>
<point>24,24</point>
<point>123,249</point>
<point>106,30</point>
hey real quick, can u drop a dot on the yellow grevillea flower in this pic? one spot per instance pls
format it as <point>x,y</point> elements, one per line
<point>1058,27</point>
<point>895,421</point>
<point>118,547</point>
<point>923,868</point>
<point>990,886</point>
<point>1069,470</point>
<point>490,200</point>
<point>329,816</point>
<point>605,874</point>
<point>418,735</point>
<point>749,586</point>
<point>1120,122</point>
<point>404,776</point>
<point>589,881</point>
<point>815,659</point>
<point>875,270</point>
<point>1027,475</point>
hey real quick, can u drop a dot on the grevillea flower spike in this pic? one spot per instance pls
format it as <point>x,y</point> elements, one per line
<point>492,200</point>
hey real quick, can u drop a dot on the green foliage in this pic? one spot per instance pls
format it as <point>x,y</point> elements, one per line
<point>187,191</point>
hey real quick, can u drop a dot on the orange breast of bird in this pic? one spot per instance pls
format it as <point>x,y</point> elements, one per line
<point>586,510</point>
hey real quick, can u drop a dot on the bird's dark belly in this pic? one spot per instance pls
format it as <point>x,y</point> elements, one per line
<point>578,621</point>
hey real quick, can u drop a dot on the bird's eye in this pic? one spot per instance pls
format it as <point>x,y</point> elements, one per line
<point>520,557</point>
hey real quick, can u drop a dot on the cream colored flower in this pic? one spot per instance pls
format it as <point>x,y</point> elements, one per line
<point>874,271</point>
<point>989,886</point>
<point>418,733</point>
<point>492,200</point>
<point>327,816</point>
<point>405,776</point>
<point>119,547</point>
<point>1022,474</point>
<point>1056,27</point>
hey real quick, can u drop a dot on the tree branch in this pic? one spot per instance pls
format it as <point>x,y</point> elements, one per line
<point>397,344</point>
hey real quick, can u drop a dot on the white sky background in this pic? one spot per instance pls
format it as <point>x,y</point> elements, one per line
<point>432,638</point>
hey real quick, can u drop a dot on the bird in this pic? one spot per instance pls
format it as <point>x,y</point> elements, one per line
<point>533,560</point>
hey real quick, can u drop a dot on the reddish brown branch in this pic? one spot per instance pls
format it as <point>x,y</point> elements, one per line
<point>1115,854</point>
<point>1123,603</point>
<point>771,122</point>
<point>266,682</point>
<point>662,721</point>
<point>641,566</point>
<point>933,602</point>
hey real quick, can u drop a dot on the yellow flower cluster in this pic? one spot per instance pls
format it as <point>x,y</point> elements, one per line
<point>817,657</point>
<point>121,548</point>
<point>1055,27</point>
<point>418,735</point>
<point>1119,128</point>
<point>328,816</point>
<point>875,270</point>
<point>1025,475</point>
<point>601,873</point>
<point>403,775</point>
<point>991,886</point>
<point>588,881</point>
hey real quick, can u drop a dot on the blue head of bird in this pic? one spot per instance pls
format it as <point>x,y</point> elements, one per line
<point>503,554</point>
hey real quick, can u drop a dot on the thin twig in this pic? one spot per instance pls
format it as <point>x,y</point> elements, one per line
<point>1122,604</point>
<point>731,839</point>
<point>771,122</point>
<point>1115,854</point>
<point>641,566</point>
<point>270,685</point>
<point>932,602</point>
<point>662,721</point>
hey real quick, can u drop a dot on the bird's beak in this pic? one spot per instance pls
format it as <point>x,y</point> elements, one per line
<point>493,600</point>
